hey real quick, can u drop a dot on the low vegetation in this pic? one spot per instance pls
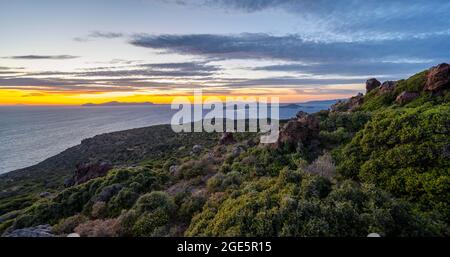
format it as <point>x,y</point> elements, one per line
<point>381,167</point>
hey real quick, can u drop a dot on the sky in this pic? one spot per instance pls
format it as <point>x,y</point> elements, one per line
<point>75,52</point>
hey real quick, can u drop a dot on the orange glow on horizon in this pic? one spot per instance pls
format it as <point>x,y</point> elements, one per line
<point>27,97</point>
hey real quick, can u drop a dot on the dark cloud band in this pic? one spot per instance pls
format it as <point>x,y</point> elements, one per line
<point>42,57</point>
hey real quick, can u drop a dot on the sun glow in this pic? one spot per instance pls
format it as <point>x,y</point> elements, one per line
<point>15,97</point>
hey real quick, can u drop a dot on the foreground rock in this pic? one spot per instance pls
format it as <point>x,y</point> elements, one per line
<point>88,171</point>
<point>227,139</point>
<point>196,149</point>
<point>438,78</point>
<point>406,97</point>
<point>371,84</point>
<point>303,129</point>
<point>388,86</point>
<point>38,231</point>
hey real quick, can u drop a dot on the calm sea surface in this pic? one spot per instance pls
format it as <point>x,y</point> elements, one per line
<point>29,135</point>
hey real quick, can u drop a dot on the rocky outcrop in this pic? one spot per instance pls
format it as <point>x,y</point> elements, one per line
<point>388,86</point>
<point>196,149</point>
<point>45,194</point>
<point>303,128</point>
<point>88,171</point>
<point>38,231</point>
<point>173,169</point>
<point>406,97</point>
<point>349,105</point>
<point>438,78</point>
<point>227,139</point>
<point>371,84</point>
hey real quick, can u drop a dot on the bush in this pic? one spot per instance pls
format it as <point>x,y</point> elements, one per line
<point>195,168</point>
<point>214,184</point>
<point>124,200</point>
<point>406,152</point>
<point>189,207</point>
<point>150,223</point>
<point>99,210</point>
<point>98,228</point>
<point>155,201</point>
<point>323,166</point>
<point>67,226</point>
<point>314,207</point>
<point>126,222</point>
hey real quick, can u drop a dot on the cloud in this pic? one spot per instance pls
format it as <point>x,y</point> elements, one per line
<point>42,57</point>
<point>168,70</point>
<point>294,47</point>
<point>2,68</point>
<point>291,82</point>
<point>99,34</point>
<point>360,68</point>
<point>349,20</point>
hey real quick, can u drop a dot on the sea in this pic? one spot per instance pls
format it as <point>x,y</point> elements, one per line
<point>31,134</point>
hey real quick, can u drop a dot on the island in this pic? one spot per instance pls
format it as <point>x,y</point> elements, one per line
<point>115,103</point>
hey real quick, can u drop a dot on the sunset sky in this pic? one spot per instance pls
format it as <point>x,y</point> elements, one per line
<point>75,52</point>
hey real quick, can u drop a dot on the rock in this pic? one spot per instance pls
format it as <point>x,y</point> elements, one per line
<point>69,182</point>
<point>388,86</point>
<point>303,128</point>
<point>38,231</point>
<point>108,192</point>
<point>406,97</point>
<point>73,235</point>
<point>373,235</point>
<point>44,194</point>
<point>438,78</point>
<point>197,149</point>
<point>237,151</point>
<point>88,171</point>
<point>227,139</point>
<point>173,169</point>
<point>371,84</point>
<point>301,114</point>
<point>349,105</point>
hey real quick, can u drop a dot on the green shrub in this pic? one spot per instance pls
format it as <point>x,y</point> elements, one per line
<point>67,225</point>
<point>155,201</point>
<point>124,200</point>
<point>406,152</point>
<point>314,207</point>
<point>148,223</point>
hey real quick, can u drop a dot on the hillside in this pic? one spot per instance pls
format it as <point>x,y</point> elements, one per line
<point>377,162</point>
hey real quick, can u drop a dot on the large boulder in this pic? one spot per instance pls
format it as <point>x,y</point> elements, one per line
<point>406,97</point>
<point>302,129</point>
<point>227,139</point>
<point>371,84</point>
<point>388,86</point>
<point>38,231</point>
<point>88,171</point>
<point>438,78</point>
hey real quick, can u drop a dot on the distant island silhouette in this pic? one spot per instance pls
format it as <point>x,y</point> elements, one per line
<point>115,103</point>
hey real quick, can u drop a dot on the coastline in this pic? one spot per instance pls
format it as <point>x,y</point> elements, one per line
<point>65,131</point>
